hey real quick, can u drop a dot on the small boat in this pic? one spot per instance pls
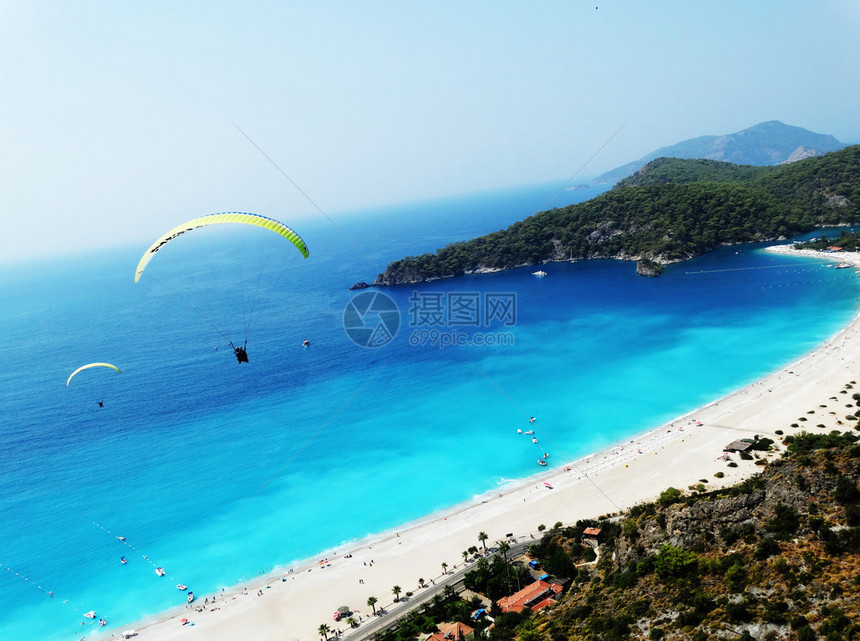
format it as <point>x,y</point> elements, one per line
<point>179,586</point>
<point>534,440</point>
<point>160,571</point>
<point>842,266</point>
<point>540,273</point>
<point>532,419</point>
<point>530,432</point>
<point>123,560</point>
<point>190,597</point>
<point>519,431</point>
<point>91,614</point>
<point>541,461</point>
<point>102,622</point>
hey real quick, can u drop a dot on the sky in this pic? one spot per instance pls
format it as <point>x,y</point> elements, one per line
<point>119,120</point>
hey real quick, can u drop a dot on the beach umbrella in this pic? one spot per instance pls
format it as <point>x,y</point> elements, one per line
<point>344,609</point>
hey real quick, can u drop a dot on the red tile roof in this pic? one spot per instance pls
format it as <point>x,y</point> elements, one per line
<point>456,630</point>
<point>536,596</point>
<point>591,531</point>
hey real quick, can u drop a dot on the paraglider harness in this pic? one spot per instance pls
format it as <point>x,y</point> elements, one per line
<point>241,352</point>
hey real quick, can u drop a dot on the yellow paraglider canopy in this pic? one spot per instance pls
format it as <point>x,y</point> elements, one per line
<point>88,366</point>
<point>214,219</point>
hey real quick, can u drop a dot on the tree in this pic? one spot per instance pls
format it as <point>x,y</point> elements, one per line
<point>323,631</point>
<point>482,538</point>
<point>352,622</point>
<point>396,592</point>
<point>420,583</point>
<point>371,601</point>
<point>465,555</point>
<point>503,548</point>
<point>444,568</point>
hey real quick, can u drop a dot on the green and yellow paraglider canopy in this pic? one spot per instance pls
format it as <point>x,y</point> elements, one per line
<point>216,219</point>
<point>88,366</point>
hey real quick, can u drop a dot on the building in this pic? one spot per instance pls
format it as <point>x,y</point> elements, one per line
<point>456,631</point>
<point>738,446</point>
<point>536,596</point>
<point>591,534</point>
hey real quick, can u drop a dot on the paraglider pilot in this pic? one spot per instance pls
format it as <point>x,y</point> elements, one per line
<point>241,352</point>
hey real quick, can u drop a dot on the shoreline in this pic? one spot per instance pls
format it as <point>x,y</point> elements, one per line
<point>293,602</point>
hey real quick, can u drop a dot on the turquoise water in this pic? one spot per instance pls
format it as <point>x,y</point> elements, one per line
<point>219,472</point>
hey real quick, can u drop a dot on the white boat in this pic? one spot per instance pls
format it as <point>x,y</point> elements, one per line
<point>160,571</point>
<point>91,614</point>
<point>539,272</point>
<point>190,597</point>
<point>180,586</point>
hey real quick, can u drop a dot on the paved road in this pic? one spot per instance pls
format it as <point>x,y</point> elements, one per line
<point>395,611</point>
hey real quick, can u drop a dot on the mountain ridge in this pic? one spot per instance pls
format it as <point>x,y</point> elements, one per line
<point>767,143</point>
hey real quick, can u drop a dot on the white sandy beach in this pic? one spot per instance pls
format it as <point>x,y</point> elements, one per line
<point>678,454</point>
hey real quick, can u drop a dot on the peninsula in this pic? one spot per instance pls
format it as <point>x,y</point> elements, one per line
<point>669,211</point>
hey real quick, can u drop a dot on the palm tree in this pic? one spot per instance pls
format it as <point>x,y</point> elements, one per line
<point>396,592</point>
<point>371,601</point>
<point>323,631</point>
<point>482,537</point>
<point>420,583</point>
<point>465,555</point>
<point>503,548</point>
<point>444,568</point>
<point>352,622</point>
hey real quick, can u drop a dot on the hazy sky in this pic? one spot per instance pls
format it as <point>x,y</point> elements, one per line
<point>116,118</point>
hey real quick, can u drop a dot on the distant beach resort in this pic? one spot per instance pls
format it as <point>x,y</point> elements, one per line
<point>390,441</point>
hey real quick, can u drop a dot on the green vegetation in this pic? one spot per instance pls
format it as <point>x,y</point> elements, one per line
<point>671,210</point>
<point>765,559</point>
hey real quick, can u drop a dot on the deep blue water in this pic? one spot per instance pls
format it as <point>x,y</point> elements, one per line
<point>219,471</point>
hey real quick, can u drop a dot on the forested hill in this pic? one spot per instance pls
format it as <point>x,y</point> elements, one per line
<point>670,210</point>
<point>775,557</point>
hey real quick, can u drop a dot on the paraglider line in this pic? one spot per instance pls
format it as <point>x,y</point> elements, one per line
<point>308,198</point>
<point>584,165</point>
<point>313,436</point>
<point>520,410</point>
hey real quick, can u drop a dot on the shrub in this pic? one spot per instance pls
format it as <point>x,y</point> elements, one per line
<point>737,612</point>
<point>766,548</point>
<point>719,475</point>
<point>669,495</point>
<point>673,562</point>
<point>736,577</point>
<point>785,522</point>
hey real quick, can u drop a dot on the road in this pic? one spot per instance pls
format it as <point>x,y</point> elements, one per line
<point>395,611</point>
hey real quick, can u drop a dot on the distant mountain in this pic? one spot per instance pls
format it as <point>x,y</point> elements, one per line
<point>767,143</point>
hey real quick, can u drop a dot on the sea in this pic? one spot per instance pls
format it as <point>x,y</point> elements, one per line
<point>405,402</point>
